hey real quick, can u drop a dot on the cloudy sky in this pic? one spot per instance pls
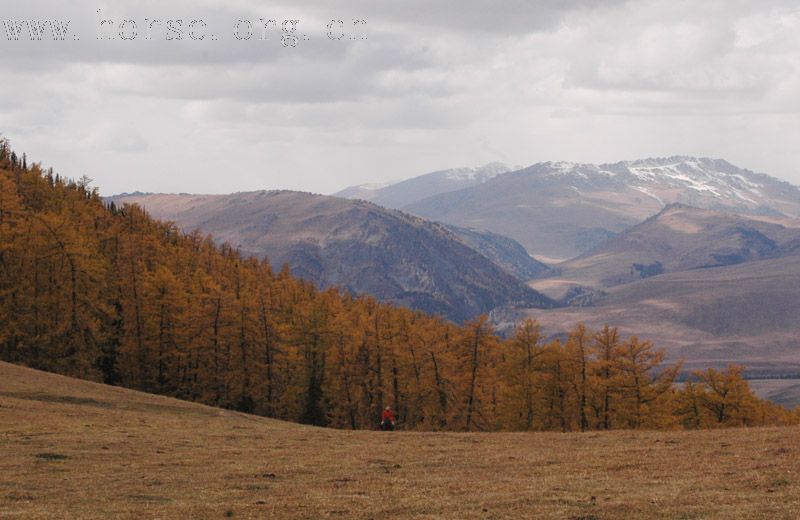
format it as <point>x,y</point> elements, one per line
<point>420,86</point>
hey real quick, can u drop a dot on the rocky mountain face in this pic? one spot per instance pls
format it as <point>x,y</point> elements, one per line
<point>559,210</point>
<point>678,238</point>
<point>503,251</point>
<point>409,191</point>
<point>351,244</point>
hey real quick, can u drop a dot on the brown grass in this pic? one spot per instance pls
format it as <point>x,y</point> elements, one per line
<point>71,449</point>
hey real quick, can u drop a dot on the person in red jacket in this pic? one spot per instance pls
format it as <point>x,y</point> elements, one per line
<point>387,420</point>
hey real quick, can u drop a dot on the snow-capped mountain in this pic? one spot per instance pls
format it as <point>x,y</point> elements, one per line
<point>413,190</point>
<point>702,179</point>
<point>557,210</point>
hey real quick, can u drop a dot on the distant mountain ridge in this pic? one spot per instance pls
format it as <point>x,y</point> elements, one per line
<point>678,238</point>
<point>558,210</point>
<point>714,284</point>
<point>356,245</point>
<point>746,313</point>
<point>399,194</point>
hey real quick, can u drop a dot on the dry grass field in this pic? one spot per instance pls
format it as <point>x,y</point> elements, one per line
<point>72,449</point>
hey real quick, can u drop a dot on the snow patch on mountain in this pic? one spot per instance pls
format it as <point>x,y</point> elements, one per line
<point>714,178</point>
<point>650,194</point>
<point>480,174</point>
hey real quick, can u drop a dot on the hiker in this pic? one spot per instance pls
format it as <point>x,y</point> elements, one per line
<point>387,420</point>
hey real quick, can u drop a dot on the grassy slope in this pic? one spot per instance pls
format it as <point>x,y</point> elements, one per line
<point>134,455</point>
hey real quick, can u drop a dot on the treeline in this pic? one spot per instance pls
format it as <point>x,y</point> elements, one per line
<point>109,294</point>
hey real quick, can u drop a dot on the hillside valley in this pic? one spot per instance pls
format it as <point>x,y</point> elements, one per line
<point>712,284</point>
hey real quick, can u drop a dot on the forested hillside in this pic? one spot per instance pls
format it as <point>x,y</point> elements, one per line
<point>109,294</point>
<point>357,246</point>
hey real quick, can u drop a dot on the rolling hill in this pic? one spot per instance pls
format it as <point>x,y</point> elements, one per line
<point>358,246</point>
<point>75,449</point>
<point>711,287</point>
<point>558,210</point>
<point>679,238</point>
<point>746,313</point>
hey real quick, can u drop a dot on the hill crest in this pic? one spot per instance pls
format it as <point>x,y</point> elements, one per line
<point>353,244</point>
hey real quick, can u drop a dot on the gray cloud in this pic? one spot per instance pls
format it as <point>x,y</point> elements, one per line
<point>434,85</point>
<point>471,17</point>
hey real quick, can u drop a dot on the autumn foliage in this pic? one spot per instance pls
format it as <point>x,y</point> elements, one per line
<point>109,294</point>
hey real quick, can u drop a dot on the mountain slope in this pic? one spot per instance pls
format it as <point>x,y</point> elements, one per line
<point>746,313</point>
<point>678,238</point>
<point>403,193</point>
<point>559,210</point>
<point>352,244</point>
<point>503,251</point>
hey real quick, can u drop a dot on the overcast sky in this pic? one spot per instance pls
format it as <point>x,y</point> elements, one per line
<point>434,85</point>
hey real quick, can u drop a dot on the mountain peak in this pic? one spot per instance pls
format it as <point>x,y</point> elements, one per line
<point>411,190</point>
<point>493,168</point>
<point>479,174</point>
<point>560,209</point>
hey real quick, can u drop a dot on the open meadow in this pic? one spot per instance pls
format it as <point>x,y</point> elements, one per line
<point>74,449</point>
